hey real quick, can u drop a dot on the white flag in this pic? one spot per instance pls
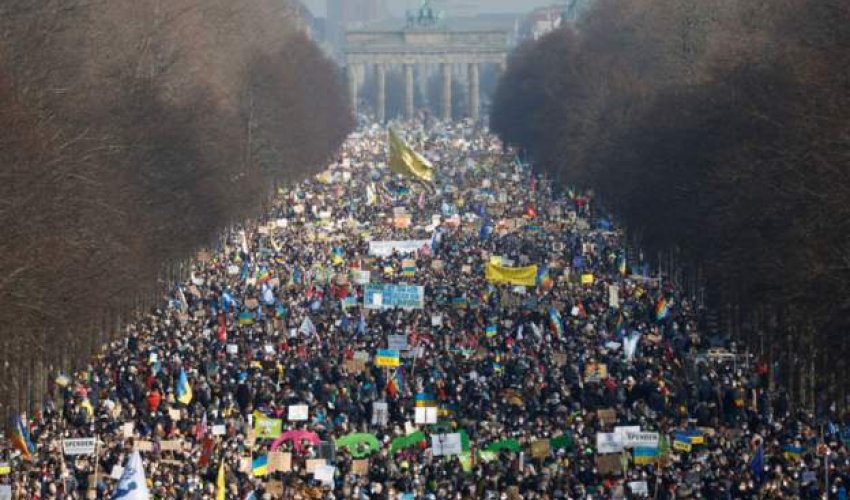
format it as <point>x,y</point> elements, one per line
<point>307,327</point>
<point>630,345</point>
<point>132,485</point>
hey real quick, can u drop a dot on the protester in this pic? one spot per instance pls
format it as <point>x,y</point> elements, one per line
<point>277,318</point>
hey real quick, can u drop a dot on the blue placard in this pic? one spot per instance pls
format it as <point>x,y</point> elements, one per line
<point>384,296</point>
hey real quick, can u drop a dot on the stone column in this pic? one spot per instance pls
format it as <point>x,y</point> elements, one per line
<point>381,105</point>
<point>352,87</point>
<point>446,69</point>
<point>474,95</point>
<point>408,91</point>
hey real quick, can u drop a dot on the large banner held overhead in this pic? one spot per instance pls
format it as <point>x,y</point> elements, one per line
<point>524,276</point>
<point>403,247</point>
<point>384,296</point>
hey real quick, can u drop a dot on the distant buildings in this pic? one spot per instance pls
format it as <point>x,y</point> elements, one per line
<point>347,14</point>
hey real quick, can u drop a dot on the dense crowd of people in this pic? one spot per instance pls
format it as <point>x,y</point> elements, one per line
<point>539,379</point>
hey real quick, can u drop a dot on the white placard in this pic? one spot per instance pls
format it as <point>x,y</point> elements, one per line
<point>639,488</point>
<point>269,349</point>
<point>621,431</point>
<point>5,492</point>
<point>380,413</point>
<point>361,277</point>
<point>128,429</point>
<point>608,442</point>
<point>298,413</point>
<point>81,446</point>
<point>640,439</point>
<point>378,300</point>
<point>232,349</point>
<point>613,296</point>
<point>426,415</point>
<point>117,472</point>
<point>446,444</point>
<point>397,342</point>
<point>386,248</point>
<point>219,430</point>
<point>436,320</point>
<point>324,474</point>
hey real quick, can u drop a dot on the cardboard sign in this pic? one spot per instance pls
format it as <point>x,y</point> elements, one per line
<point>607,416</point>
<point>280,461</point>
<point>360,466</point>
<point>174,414</point>
<point>609,464</point>
<point>540,448</point>
<point>275,488</point>
<point>313,463</point>
<point>354,366</point>
<point>298,413</point>
<point>144,445</point>
<point>595,372</point>
<point>380,413</point>
<point>171,445</point>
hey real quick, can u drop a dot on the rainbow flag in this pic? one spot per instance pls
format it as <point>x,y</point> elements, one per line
<point>408,268</point>
<point>19,435</point>
<point>544,280</point>
<point>556,322</point>
<point>662,309</point>
<point>260,466</point>
<point>262,275</point>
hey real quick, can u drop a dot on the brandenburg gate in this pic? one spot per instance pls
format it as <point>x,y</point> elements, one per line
<point>418,45</point>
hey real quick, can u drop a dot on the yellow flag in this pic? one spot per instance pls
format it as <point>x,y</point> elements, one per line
<point>404,161</point>
<point>220,488</point>
<point>525,276</point>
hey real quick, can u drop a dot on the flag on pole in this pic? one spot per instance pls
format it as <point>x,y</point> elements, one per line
<point>220,489</point>
<point>406,162</point>
<point>20,437</point>
<point>132,485</point>
<point>184,389</point>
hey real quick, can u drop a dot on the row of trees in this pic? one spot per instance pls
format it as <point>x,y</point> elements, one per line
<point>131,133</point>
<point>719,129</point>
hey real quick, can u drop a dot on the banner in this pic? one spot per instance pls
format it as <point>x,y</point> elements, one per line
<point>403,247</point>
<point>640,439</point>
<point>446,444</point>
<point>608,442</point>
<point>82,446</point>
<point>406,162</point>
<point>383,296</point>
<point>525,276</point>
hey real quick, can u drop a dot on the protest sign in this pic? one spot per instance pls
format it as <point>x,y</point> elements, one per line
<point>117,472</point>
<point>5,492</point>
<point>386,248</point>
<point>174,414</point>
<point>324,474</point>
<point>501,274</point>
<point>171,445</point>
<point>313,463</point>
<point>639,488</point>
<point>621,430</point>
<point>128,430</point>
<point>595,372</point>
<point>361,277</point>
<point>640,439</point>
<point>81,446</point>
<point>275,488</point>
<point>608,442</point>
<point>380,413</point>
<point>142,445</point>
<point>386,296</point>
<point>586,279</point>
<point>354,366</point>
<point>280,461</point>
<point>397,342</point>
<point>298,413</point>
<point>360,467</point>
<point>426,415</point>
<point>446,444</point>
<point>606,415</point>
<point>267,428</point>
<point>609,464</point>
<point>219,430</point>
<point>613,296</point>
<point>540,448</point>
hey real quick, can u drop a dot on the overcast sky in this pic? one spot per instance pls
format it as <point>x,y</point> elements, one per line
<point>452,6</point>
